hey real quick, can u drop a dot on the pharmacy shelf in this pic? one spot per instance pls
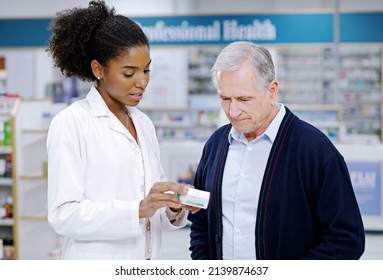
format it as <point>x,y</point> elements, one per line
<point>30,180</point>
<point>6,222</point>
<point>307,75</point>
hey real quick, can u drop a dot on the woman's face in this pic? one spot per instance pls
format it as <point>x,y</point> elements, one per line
<point>124,80</point>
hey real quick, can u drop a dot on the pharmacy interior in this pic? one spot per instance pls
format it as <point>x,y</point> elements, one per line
<point>329,68</point>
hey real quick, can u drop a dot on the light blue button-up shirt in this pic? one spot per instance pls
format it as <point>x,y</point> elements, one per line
<point>242,179</point>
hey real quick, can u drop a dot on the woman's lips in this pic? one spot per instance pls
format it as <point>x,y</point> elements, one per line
<point>137,96</point>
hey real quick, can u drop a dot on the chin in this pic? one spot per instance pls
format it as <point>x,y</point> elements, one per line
<point>132,103</point>
<point>241,128</point>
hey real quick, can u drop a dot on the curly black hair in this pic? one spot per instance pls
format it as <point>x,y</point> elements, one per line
<point>81,35</point>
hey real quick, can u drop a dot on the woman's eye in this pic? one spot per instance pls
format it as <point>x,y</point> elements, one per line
<point>146,70</point>
<point>129,75</point>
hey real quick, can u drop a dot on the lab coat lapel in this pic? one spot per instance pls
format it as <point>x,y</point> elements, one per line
<point>100,109</point>
<point>117,126</point>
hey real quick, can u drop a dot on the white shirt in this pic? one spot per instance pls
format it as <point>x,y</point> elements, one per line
<point>97,176</point>
<point>241,185</point>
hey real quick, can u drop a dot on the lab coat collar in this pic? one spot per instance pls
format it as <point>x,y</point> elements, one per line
<point>97,104</point>
<point>99,107</point>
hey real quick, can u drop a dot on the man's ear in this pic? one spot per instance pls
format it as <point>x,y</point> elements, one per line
<point>273,91</point>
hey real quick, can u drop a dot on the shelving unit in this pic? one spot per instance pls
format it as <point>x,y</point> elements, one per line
<point>307,81</point>
<point>327,118</point>
<point>200,61</point>
<point>182,123</point>
<point>7,231</point>
<point>307,77</point>
<point>361,91</point>
<point>34,238</point>
<point>195,118</point>
<point>3,75</point>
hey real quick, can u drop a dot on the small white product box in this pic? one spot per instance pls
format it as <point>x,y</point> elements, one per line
<point>196,198</point>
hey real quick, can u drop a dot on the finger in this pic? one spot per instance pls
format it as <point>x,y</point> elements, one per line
<point>190,208</point>
<point>163,197</point>
<point>162,187</point>
<point>171,204</point>
<point>162,201</point>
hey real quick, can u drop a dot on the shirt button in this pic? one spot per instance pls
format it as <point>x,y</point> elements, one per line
<point>237,231</point>
<point>243,174</point>
<point>149,251</point>
<point>249,148</point>
<point>148,227</point>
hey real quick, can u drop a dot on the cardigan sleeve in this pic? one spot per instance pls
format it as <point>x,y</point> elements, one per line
<point>342,231</point>
<point>199,243</point>
<point>206,227</point>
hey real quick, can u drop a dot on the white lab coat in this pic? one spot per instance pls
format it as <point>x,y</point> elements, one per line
<point>97,175</point>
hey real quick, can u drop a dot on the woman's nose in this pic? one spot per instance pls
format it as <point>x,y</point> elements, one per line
<point>141,80</point>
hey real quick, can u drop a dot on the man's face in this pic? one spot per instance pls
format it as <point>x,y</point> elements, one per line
<point>249,109</point>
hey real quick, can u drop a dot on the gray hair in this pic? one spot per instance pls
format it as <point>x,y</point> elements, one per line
<point>232,57</point>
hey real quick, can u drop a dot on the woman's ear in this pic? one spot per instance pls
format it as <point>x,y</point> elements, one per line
<point>97,69</point>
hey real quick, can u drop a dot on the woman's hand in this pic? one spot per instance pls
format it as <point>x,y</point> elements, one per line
<point>193,209</point>
<point>162,194</point>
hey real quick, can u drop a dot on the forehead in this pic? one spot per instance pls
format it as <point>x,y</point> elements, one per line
<point>135,56</point>
<point>245,72</point>
<point>238,83</point>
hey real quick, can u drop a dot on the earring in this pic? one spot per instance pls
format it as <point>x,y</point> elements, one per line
<point>98,78</point>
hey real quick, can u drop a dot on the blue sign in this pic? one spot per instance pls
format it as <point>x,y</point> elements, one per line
<point>366,180</point>
<point>222,29</point>
<point>270,29</point>
<point>24,32</point>
<point>361,27</point>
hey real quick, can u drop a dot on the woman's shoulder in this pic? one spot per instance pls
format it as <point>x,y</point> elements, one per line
<point>74,115</point>
<point>74,109</point>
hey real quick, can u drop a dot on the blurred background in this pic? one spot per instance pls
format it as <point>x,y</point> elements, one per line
<point>328,58</point>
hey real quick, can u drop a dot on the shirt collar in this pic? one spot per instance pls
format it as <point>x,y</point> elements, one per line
<point>270,132</point>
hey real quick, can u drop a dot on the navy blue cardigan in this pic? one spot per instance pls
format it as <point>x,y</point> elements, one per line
<point>306,209</point>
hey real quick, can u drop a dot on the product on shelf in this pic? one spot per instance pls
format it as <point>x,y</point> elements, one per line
<point>3,75</point>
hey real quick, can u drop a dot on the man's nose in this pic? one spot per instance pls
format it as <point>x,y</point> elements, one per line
<point>234,109</point>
